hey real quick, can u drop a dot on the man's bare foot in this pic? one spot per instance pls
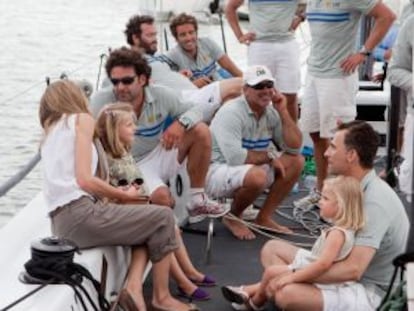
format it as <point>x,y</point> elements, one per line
<point>238,229</point>
<point>273,226</point>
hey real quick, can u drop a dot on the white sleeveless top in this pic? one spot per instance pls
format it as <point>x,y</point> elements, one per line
<point>346,248</point>
<point>58,164</point>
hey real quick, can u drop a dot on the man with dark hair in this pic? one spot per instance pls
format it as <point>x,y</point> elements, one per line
<point>159,154</point>
<point>367,270</point>
<point>202,56</point>
<point>141,34</point>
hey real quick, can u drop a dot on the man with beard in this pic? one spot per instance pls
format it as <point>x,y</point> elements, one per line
<point>201,55</point>
<point>141,34</point>
<point>159,154</point>
<point>244,163</point>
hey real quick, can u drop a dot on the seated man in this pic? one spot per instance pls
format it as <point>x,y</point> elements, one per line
<point>368,268</point>
<point>243,164</point>
<point>159,154</point>
<point>199,55</point>
<point>141,34</point>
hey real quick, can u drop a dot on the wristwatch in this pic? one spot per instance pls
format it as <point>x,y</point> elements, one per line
<point>364,51</point>
<point>185,122</point>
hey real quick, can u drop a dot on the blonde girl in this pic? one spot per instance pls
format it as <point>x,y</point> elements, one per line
<point>72,163</point>
<point>115,127</point>
<point>340,205</point>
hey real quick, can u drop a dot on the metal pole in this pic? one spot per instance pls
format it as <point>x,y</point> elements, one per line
<point>14,180</point>
<point>392,141</point>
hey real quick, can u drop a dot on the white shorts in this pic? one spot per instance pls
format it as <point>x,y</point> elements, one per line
<point>222,180</point>
<point>344,296</point>
<point>326,101</point>
<point>282,58</point>
<point>208,95</point>
<point>159,166</point>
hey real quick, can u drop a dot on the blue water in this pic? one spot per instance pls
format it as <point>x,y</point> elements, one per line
<point>46,38</point>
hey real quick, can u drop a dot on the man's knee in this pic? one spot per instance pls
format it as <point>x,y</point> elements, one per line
<point>256,178</point>
<point>201,134</point>
<point>296,163</point>
<point>285,297</point>
<point>162,196</point>
<point>230,88</point>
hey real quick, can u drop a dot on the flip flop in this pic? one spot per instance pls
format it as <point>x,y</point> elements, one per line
<point>198,294</point>
<point>207,281</point>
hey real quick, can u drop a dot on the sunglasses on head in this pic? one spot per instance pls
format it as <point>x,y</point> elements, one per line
<point>124,80</point>
<point>263,85</point>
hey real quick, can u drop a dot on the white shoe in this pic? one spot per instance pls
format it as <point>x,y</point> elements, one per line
<point>250,213</point>
<point>207,208</point>
<point>311,199</point>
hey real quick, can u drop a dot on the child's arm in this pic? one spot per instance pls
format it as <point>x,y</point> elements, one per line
<point>334,241</point>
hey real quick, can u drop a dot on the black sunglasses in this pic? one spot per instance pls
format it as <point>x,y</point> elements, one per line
<point>263,85</point>
<point>124,182</point>
<point>124,80</point>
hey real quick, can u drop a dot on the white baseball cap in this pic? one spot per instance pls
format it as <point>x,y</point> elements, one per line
<point>256,74</point>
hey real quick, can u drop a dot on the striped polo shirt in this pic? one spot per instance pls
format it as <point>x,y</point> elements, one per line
<point>333,27</point>
<point>235,130</point>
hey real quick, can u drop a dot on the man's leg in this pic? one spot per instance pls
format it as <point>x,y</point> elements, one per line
<point>230,88</point>
<point>280,188</point>
<point>196,147</point>
<point>254,182</point>
<point>297,296</point>
<point>320,145</point>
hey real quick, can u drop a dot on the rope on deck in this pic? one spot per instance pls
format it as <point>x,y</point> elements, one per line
<point>20,175</point>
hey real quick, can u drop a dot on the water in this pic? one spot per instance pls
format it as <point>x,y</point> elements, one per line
<point>45,38</point>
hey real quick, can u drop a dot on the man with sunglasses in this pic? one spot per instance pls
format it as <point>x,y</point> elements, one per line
<point>160,154</point>
<point>245,133</point>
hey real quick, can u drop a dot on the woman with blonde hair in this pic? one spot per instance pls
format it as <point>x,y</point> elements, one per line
<point>341,206</point>
<point>75,190</point>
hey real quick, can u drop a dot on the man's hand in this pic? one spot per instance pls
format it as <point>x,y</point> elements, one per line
<point>172,136</point>
<point>202,81</point>
<point>350,64</point>
<point>247,38</point>
<point>279,101</point>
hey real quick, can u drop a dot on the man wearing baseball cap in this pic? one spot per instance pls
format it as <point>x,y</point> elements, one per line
<point>256,146</point>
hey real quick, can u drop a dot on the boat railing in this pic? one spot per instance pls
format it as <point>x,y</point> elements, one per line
<point>20,175</point>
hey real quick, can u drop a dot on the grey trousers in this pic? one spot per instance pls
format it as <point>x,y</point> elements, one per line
<point>91,223</point>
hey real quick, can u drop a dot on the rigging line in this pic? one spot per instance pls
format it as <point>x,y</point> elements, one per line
<point>85,65</point>
<point>20,175</point>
